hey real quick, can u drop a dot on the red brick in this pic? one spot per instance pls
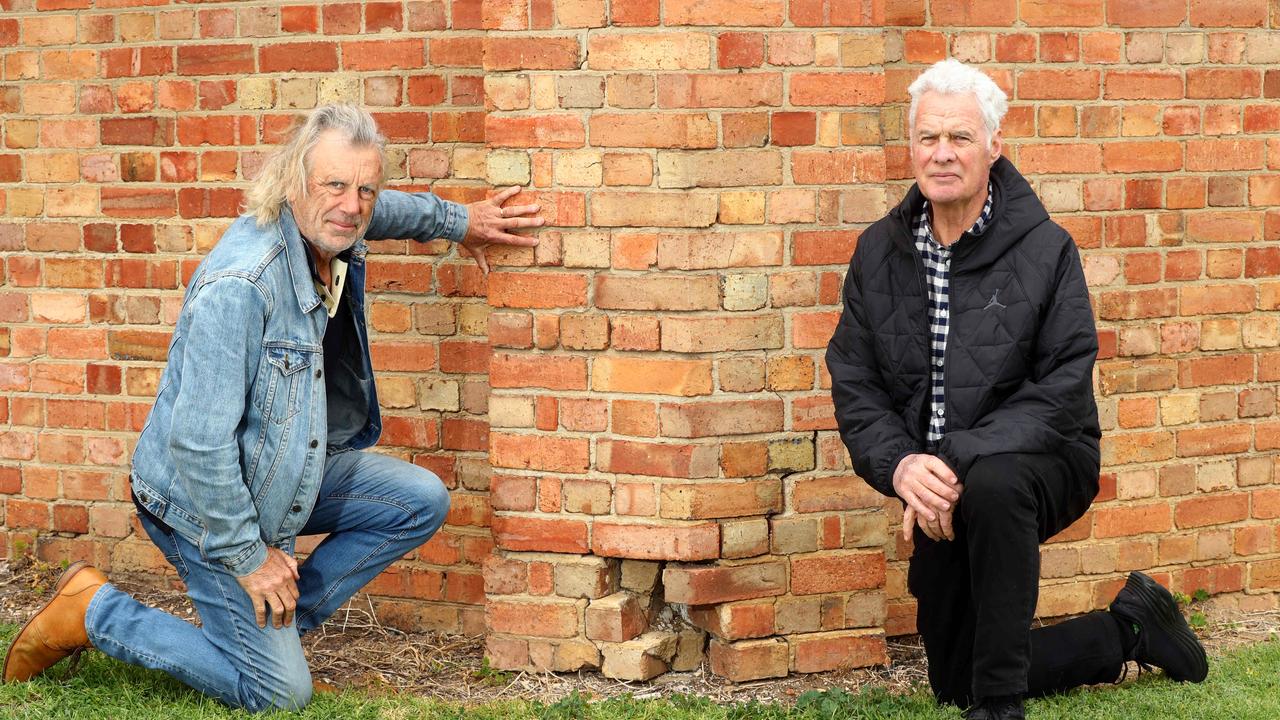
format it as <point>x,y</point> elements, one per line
<point>837,572</point>
<point>1150,156</point>
<point>737,620</point>
<point>137,131</point>
<point>820,652</point>
<point>1126,520</point>
<point>408,54</point>
<point>722,12</point>
<point>702,500</point>
<point>982,13</point>
<point>541,290</point>
<point>740,50</point>
<point>539,452</point>
<point>1146,13</point>
<point>533,534</point>
<point>749,659</point>
<point>837,89</point>
<point>1228,13</point>
<point>552,617</point>
<point>1221,440</point>
<point>656,542</point>
<point>531,53</point>
<point>215,59</point>
<point>1223,83</point>
<point>298,57</point>
<point>1216,510</point>
<point>545,131</point>
<point>1143,85</point>
<point>737,90</point>
<point>705,585</point>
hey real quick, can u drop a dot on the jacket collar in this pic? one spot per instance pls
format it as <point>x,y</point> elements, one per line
<point>299,261</point>
<point>1015,211</point>
<point>295,251</point>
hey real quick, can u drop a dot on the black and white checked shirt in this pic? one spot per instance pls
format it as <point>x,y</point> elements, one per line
<point>937,273</point>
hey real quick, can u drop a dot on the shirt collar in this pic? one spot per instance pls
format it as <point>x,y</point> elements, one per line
<point>979,226</point>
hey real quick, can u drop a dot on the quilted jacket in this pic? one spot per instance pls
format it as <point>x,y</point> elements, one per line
<point>1020,348</point>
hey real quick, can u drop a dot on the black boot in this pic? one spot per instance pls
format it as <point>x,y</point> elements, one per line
<point>1005,707</point>
<point>1164,638</point>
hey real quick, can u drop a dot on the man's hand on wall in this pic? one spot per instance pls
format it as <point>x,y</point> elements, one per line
<point>273,585</point>
<point>490,224</point>
<point>930,489</point>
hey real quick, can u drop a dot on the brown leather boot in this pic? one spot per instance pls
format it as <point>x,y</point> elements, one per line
<point>58,629</point>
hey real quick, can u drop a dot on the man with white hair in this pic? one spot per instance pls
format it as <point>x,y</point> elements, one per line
<point>259,430</point>
<point>961,372</point>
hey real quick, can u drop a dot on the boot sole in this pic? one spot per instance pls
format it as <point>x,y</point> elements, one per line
<point>63,579</point>
<point>1171,621</point>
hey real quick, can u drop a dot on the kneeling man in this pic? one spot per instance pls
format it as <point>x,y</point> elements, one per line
<point>259,431</point>
<point>961,372</point>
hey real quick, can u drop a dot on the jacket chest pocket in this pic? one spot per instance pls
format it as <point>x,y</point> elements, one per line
<point>283,382</point>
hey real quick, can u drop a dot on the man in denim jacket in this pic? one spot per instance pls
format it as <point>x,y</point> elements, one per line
<point>259,431</point>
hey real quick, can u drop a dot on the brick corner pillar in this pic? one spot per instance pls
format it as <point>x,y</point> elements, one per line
<point>668,488</point>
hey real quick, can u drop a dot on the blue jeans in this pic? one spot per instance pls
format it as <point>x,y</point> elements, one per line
<point>375,509</point>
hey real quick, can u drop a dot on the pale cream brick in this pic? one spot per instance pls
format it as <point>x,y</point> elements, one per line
<point>579,168</point>
<point>470,163</point>
<point>256,93</point>
<point>745,291</point>
<point>508,167</point>
<point>862,49</point>
<point>1179,408</point>
<point>439,395</point>
<point>826,50</point>
<point>339,88</point>
<point>1213,476</point>
<point>543,92</point>
<point>1185,48</point>
<point>511,411</point>
<point>473,319</point>
<point>585,249</point>
<point>742,207</point>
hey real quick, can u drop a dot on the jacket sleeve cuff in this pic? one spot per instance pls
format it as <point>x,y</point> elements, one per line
<point>456,220</point>
<point>247,561</point>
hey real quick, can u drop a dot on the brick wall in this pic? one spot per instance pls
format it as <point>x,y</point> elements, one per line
<point>637,409</point>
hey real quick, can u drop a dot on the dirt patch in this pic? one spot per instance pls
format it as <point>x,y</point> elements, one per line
<point>353,649</point>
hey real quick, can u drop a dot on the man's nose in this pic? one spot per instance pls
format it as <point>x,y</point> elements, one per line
<point>350,201</point>
<point>945,152</point>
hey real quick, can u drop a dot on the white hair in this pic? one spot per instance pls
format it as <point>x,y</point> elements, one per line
<point>285,173</point>
<point>952,77</point>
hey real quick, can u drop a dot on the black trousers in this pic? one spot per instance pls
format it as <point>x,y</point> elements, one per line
<point>977,594</point>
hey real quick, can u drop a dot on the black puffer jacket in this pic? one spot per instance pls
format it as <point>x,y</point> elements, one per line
<point>1018,370</point>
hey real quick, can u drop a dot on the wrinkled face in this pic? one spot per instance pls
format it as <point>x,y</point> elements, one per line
<point>342,185</point>
<point>951,153</point>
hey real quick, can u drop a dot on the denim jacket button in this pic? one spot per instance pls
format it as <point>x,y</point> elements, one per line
<point>142,498</point>
<point>319,373</point>
<point>314,443</point>
<point>296,508</point>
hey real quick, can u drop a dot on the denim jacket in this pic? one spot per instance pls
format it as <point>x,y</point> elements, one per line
<point>233,451</point>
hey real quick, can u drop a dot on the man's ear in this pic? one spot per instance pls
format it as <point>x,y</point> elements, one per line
<point>997,146</point>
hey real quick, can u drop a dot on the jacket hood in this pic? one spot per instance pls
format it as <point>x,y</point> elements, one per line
<point>1015,211</point>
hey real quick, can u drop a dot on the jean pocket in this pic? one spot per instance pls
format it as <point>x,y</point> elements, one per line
<point>283,380</point>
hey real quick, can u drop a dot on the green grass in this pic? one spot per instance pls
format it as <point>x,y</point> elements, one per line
<point>1243,685</point>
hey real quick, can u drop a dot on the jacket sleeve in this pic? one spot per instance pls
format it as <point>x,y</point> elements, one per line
<point>217,367</point>
<point>421,216</point>
<point>1051,408</point>
<point>872,430</point>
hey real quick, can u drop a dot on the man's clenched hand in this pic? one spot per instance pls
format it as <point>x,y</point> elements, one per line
<point>490,224</point>
<point>274,585</point>
<point>930,489</point>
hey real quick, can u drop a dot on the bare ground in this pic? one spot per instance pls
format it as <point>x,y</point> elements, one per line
<point>354,650</point>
